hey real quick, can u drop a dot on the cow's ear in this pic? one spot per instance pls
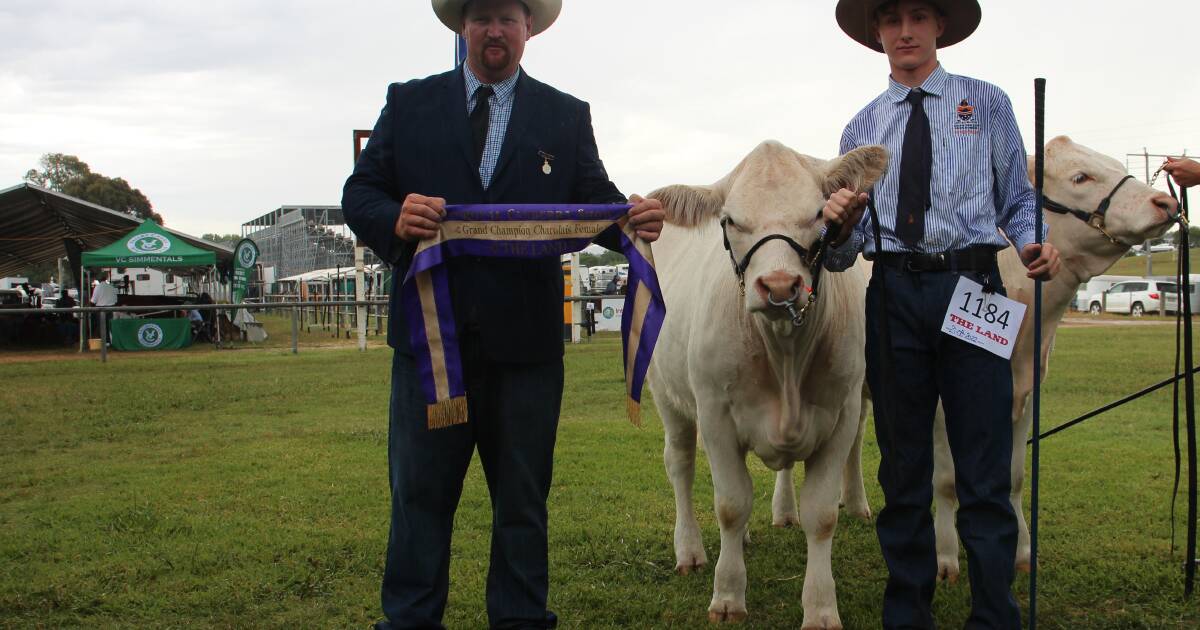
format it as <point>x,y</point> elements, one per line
<point>857,170</point>
<point>689,206</point>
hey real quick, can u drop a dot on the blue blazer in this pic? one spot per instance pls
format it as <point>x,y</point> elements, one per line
<point>422,144</point>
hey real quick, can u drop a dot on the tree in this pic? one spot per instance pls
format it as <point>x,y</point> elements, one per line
<point>227,239</point>
<point>607,258</point>
<point>71,176</point>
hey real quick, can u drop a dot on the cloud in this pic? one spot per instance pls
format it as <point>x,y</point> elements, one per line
<point>223,110</point>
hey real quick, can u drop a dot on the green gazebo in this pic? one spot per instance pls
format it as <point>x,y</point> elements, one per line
<point>149,245</point>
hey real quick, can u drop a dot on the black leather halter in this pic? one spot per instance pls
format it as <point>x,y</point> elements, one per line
<point>1094,218</point>
<point>813,258</point>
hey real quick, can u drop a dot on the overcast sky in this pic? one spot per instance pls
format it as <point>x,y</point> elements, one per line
<point>220,111</point>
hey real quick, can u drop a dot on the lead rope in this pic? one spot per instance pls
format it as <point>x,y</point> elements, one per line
<point>1184,321</point>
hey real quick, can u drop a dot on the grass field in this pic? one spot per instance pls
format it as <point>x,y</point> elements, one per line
<point>1164,264</point>
<point>248,489</point>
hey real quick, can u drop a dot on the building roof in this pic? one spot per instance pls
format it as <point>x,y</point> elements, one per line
<point>38,225</point>
<point>328,274</point>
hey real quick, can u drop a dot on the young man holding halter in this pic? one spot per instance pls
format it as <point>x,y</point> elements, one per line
<point>958,173</point>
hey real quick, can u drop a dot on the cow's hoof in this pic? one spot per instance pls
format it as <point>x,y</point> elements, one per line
<point>690,564</point>
<point>726,612</point>
<point>786,520</point>
<point>948,570</point>
<point>1023,565</point>
<point>826,621</point>
<point>862,511</point>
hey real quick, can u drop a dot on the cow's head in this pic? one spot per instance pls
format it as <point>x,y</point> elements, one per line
<point>774,191</point>
<point>1079,178</point>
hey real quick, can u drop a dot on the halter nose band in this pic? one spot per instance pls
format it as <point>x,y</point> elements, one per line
<point>814,259</point>
<point>1096,218</point>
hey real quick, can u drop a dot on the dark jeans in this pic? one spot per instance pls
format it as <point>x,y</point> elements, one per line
<point>975,388</point>
<point>513,419</point>
<point>108,317</point>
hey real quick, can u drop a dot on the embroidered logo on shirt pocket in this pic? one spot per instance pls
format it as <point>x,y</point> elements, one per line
<point>965,122</point>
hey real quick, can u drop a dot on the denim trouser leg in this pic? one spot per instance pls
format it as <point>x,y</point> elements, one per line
<point>516,448</point>
<point>426,472</point>
<point>513,420</point>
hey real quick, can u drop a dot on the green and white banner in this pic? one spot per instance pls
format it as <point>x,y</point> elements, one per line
<point>135,334</point>
<point>245,256</point>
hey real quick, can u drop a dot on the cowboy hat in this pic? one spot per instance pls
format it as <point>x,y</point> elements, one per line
<point>856,17</point>
<point>544,12</point>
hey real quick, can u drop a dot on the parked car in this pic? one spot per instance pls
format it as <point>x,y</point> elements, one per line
<point>12,298</point>
<point>1136,297</point>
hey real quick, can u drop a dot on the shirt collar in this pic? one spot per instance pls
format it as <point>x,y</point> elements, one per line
<point>934,85</point>
<point>504,90</point>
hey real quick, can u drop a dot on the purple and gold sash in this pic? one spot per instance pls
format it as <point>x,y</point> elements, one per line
<point>523,231</point>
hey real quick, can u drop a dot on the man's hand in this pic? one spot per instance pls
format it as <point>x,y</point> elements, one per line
<point>646,216</point>
<point>844,208</point>
<point>419,217</point>
<point>1041,260</point>
<point>1185,172</point>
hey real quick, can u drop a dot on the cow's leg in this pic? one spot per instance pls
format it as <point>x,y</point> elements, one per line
<point>945,499</point>
<point>783,501</point>
<point>679,456</point>
<point>733,498</point>
<point>818,515</point>
<point>854,493</point>
<point>1021,428</point>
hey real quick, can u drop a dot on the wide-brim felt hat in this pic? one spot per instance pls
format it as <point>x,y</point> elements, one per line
<point>544,12</point>
<point>855,18</point>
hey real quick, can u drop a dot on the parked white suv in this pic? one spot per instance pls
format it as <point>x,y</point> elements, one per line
<point>1136,297</point>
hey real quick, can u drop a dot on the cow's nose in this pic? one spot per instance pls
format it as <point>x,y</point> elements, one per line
<point>1166,203</point>
<point>779,287</point>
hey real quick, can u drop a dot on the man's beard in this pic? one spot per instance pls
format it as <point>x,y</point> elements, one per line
<point>496,63</point>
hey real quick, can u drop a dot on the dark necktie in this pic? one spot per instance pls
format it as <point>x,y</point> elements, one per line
<point>479,120</point>
<point>916,168</point>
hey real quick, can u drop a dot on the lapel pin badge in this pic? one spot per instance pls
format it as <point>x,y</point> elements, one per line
<point>546,157</point>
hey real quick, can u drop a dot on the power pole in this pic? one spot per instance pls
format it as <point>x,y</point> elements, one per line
<point>1146,245</point>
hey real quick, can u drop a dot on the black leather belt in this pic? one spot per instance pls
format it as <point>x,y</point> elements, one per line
<point>979,258</point>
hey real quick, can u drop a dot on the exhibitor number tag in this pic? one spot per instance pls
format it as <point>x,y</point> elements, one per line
<point>988,320</point>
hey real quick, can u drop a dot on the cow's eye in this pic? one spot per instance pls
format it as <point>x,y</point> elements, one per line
<point>1080,178</point>
<point>729,222</point>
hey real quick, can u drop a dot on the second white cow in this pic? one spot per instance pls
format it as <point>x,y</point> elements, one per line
<point>1081,179</point>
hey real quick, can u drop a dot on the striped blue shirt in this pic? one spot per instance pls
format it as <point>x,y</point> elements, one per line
<point>979,180</point>
<point>501,104</point>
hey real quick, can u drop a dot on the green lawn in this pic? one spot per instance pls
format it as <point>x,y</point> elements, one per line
<point>1164,264</point>
<point>248,489</point>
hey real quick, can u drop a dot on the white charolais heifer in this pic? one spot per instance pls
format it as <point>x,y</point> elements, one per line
<point>1080,179</point>
<point>737,366</point>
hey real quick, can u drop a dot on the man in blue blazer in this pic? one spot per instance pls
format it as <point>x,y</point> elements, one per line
<point>484,132</point>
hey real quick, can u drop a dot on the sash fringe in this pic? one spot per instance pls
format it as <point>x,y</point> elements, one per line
<point>447,413</point>
<point>634,409</point>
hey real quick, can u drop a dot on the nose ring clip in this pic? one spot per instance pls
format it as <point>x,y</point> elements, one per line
<point>797,315</point>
